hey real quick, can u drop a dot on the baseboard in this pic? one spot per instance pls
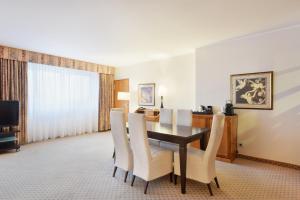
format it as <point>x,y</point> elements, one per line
<point>273,162</point>
<point>103,131</point>
<point>224,159</point>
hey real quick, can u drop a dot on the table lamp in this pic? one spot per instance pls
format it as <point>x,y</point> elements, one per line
<point>123,96</point>
<point>161,93</point>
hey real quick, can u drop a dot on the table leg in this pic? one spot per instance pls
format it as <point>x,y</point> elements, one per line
<point>182,156</point>
<point>203,142</point>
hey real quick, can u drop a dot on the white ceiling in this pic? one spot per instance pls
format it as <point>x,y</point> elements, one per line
<point>124,32</point>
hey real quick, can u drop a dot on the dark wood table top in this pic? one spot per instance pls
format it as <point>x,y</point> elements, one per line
<point>174,133</point>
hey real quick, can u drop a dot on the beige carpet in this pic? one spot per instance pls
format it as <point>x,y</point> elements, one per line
<point>81,168</point>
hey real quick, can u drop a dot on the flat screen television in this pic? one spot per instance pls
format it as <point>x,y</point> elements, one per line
<point>9,113</point>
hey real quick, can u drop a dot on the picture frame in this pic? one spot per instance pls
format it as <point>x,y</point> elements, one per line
<point>252,90</point>
<point>146,94</point>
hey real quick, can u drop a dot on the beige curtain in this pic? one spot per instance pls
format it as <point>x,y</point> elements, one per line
<point>106,90</point>
<point>40,58</point>
<point>13,86</point>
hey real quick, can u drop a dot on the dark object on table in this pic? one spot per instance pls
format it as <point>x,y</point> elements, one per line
<point>209,109</point>
<point>143,110</point>
<point>229,110</point>
<point>204,111</point>
<point>150,114</point>
<point>140,110</point>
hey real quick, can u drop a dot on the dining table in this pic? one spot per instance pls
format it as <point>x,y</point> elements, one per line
<point>180,135</point>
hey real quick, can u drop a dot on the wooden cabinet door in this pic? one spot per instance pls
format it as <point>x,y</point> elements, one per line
<point>227,149</point>
<point>200,122</point>
<point>224,148</point>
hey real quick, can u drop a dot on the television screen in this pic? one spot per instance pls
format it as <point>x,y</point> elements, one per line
<point>9,113</point>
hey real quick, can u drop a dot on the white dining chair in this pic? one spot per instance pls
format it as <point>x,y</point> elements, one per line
<point>117,109</point>
<point>150,112</point>
<point>150,162</point>
<point>123,152</point>
<point>121,110</point>
<point>184,117</point>
<point>166,116</point>
<point>201,164</point>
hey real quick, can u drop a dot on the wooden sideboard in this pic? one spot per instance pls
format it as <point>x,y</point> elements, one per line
<point>228,147</point>
<point>150,114</point>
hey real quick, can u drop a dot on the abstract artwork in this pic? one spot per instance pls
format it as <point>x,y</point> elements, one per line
<point>252,90</point>
<point>146,94</point>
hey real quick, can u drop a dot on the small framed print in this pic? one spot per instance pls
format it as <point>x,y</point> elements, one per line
<point>146,94</point>
<point>252,90</point>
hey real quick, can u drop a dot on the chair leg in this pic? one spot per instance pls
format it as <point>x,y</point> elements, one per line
<point>217,183</point>
<point>171,177</point>
<point>115,169</point>
<point>175,179</point>
<point>114,154</point>
<point>209,188</point>
<point>146,187</point>
<point>126,174</point>
<point>133,178</point>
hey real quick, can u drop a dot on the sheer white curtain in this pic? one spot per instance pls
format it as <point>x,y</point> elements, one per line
<point>61,102</point>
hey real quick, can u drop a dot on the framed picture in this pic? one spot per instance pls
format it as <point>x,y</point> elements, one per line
<point>146,94</point>
<point>252,90</point>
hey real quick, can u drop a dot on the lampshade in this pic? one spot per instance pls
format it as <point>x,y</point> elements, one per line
<point>161,90</point>
<point>123,96</point>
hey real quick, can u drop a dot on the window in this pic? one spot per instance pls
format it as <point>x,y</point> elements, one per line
<point>61,102</point>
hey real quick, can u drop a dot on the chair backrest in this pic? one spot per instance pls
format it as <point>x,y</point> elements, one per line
<point>120,139</point>
<point>214,138</point>
<point>118,109</point>
<point>166,116</point>
<point>139,141</point>
<point>184,117</point>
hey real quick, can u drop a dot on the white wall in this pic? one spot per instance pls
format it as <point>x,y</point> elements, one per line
<point>272,134</point>
<point>176,74</point>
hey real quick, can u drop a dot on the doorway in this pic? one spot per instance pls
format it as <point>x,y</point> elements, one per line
<point>121,85</point>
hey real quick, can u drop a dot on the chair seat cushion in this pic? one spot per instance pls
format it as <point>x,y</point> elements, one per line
<point>154,142</point>
<point>169,146</point>
<point>196,168</point>
<point>192,153</point>
<point>161,162</point>
<point>200,165</point>
<point>156,151</point>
